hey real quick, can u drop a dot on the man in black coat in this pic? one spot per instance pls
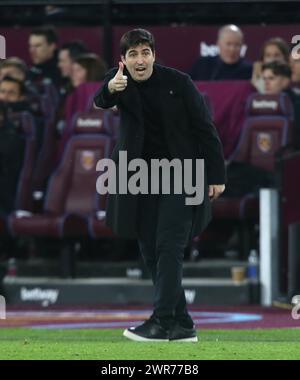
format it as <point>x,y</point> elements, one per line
<point>162,116</point>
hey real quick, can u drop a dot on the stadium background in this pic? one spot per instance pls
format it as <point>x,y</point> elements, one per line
<point>108,271</point>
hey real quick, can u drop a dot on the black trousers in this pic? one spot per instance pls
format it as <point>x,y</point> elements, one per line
<point>164,226</point>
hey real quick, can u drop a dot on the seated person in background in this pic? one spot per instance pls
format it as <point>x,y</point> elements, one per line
<point>87,68</point>
<point>12,148</point>
<point>11,90</point>
<point>66,56</point>
<point>276,76</point>
<point>43,53</point>
<point>13,67</point>
<point>277,79</point>
<point>244,177</point>
<point>274,49</point>
<point>228,65</point>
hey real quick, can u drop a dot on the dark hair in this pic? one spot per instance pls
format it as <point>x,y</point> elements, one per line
<point>75,48</point>
<point>14,80</point>
<point>95,66</point>
<point>280,44</point>
<point>134,38</point>
<point>49,32</point>
<point>278,68</point>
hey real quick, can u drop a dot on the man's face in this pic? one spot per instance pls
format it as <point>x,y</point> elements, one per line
<point>274,84</point>
<point>139,62</point>
<point>10,92</point>
<point>40,50</point>
<point>65,63</point>
<point>230,44</point>
<point>12,71</point>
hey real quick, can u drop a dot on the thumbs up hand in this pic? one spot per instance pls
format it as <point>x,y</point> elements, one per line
<point>119,81</point>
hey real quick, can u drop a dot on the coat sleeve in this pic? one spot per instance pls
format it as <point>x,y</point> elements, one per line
<point>205,133</point>
<point>103,98</point>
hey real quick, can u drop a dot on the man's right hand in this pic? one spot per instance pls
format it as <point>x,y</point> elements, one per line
<point>119,81</point>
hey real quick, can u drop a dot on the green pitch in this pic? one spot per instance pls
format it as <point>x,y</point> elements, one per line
<point>27,343</point>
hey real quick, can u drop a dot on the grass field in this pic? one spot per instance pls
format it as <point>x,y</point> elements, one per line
<point>27,343</point>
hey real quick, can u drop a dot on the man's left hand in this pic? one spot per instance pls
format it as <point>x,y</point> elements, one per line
<point>214,191</point>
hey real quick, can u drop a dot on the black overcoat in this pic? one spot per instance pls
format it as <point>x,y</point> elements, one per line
<point>189,131</point>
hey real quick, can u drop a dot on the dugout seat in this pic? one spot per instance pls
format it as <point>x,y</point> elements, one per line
<point>71,192</point>
<point>267,128</point>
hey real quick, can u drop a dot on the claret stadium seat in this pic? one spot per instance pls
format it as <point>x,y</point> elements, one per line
<point>96,220</point>
<point>267,128</point>
<point>71,192</point>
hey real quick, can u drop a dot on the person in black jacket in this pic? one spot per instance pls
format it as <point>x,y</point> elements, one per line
<point>162,116</point>
<point>43,53</point>
<point>12,148</point>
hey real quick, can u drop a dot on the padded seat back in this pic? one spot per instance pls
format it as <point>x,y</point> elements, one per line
<point>72,188</point>
<point>266,129</point>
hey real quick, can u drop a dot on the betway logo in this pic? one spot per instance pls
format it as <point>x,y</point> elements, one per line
<point>38,294</point>
<point>213,50</point>
<point>257,104</point>
<point>89,122</point>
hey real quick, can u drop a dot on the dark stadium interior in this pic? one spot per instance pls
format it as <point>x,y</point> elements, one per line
<point>52,241</point>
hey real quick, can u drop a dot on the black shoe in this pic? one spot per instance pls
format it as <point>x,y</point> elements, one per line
<point>179,333</point>
<point>185,320</point>
<point>150,331</point>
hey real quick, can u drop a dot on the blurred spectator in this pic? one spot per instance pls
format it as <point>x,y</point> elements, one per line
<point>243,177</point>
<point>274,49</point>
<point>11,90</point>
<point>276,76</point>
<point>43,53</point>
<point>12,146</point>
<point>87,68</point>
<point>295,67</point>
<point>66,56</point>
<point>67,53</point>
<point>13,67</point>
<point>229,64</point>
<point>13,95</point>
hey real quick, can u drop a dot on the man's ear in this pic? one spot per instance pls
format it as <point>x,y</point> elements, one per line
<point>123,59</point>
